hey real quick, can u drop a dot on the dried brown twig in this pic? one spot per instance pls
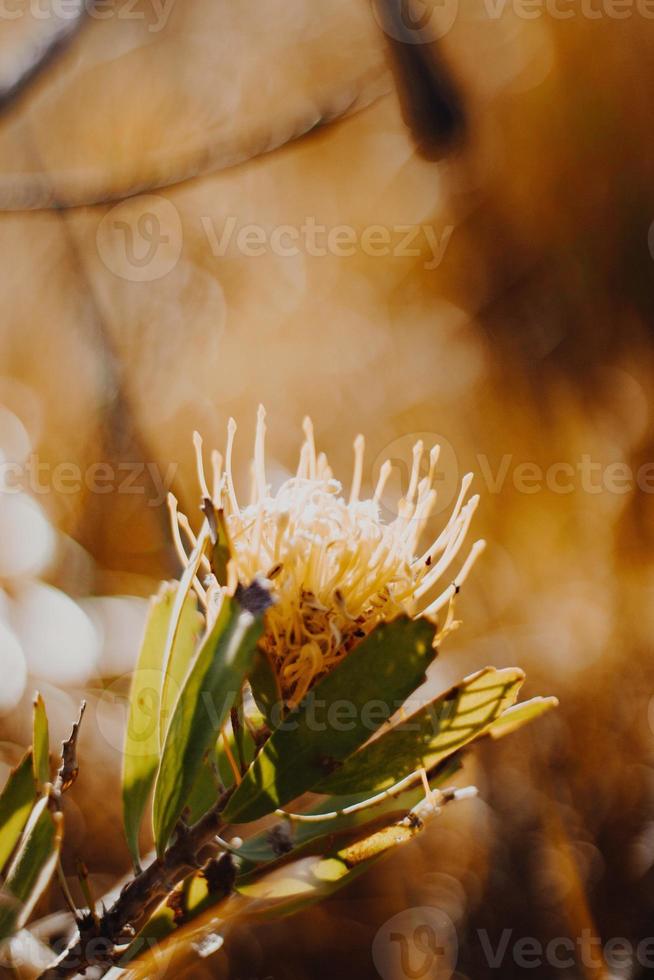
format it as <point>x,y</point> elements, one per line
<point>96,939</point>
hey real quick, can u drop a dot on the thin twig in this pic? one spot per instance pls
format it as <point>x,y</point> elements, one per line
<point>83,877</point>
<point>69,769</point>
<point>138,896</point>
<point>65,890</point>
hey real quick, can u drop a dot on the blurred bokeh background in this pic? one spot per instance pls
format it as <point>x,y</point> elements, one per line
<point>440,229</point>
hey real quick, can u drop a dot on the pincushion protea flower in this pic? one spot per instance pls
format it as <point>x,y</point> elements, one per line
<point>336,569</point>
<point>346,610</point>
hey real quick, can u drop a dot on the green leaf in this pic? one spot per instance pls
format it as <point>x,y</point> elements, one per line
<point>211,685</point>
<point>16,802</point>
<point>262,850</point>
<point>41,743</point>
<point>429,735</point>
<point>277,892</point>
<point>182,593</point>
<point>205,790</point>
<point>265,689</point>
<point>248,748</point>
<point>216,773</point>
<point>142,748</point>
<point>520,715</point>
<point>32,867</point>
<point>367,686</point>
<point>311,879</point>
<point>221,551</point>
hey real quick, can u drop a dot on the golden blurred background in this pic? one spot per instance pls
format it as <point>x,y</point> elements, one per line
<point>442,231</point>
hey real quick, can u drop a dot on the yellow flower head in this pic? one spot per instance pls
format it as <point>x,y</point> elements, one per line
<point>335,568</point>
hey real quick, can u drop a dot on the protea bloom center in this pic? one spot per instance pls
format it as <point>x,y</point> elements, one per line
<point>336,569</point>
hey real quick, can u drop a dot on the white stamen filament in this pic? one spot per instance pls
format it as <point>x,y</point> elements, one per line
<point>337,569</point>
<point>359,449</point>
<point>231,432</point>
<point>384,473</point>
<point>415,471</point>
<point>199,463</point>
<point>259,453</point>
<point>179,545</point>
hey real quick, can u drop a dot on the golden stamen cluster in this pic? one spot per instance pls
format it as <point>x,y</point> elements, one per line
<point>335,568</point>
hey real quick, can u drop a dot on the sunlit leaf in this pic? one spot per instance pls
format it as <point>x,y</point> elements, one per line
<point>16,802</point>
<point>209,690</point>
<point>282,891</point>
<point>519,715</point>
<point>182,593</point>
<point>221,551</point>
<point>141,753</point>
<point>430,734</point>
<point>41,743</point>
<point>317,736</point>
<point>290,839</point>
<point>248,748</point>
<point>31,868</point>
<point>314,878</point>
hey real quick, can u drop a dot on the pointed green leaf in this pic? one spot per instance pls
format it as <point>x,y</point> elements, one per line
<point>293,838</point>
<point>32,867</point>
<point>248,748</point>
<point>221,551</point>
<point>41,743</point>
<point>429,735</point>
<point>520,715</point>
<point>16,801</point>
<point>182,594</point>
<point>336,717</point>
<point>265,688</point>
<point>209,690</point>
<point>216,774</point>
<point>276,892</point>
<point>205,791</point>
<point>312,879</point>
<point>187,636</point>
<point>142,749</point>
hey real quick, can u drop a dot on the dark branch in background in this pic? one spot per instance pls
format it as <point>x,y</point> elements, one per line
<point>69,769</point>
<point>42,51</point>
<point>431,104</point>
<point>95,941</point>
